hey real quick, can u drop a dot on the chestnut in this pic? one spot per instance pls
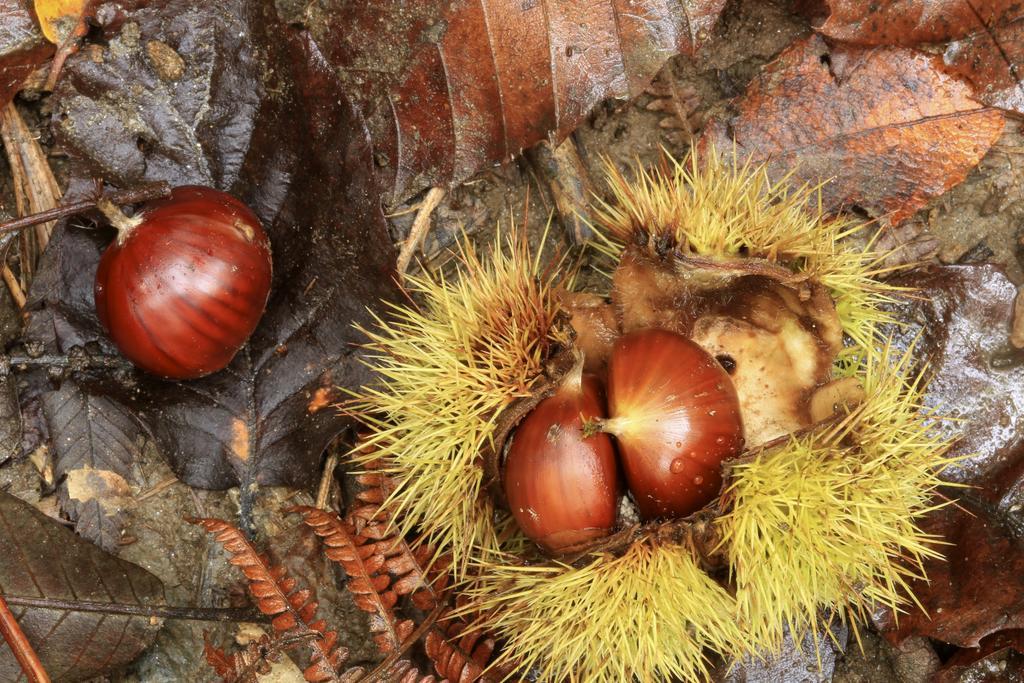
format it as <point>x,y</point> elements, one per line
<point>185,283</point>
<point>675,416</point>
<point>562,486</point>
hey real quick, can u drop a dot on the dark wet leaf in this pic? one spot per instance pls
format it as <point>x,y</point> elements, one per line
<point>66,594</point>
<point>451,88</point>
<point>256,111</point>
<point>94,448</point>
<point>10,421</point>
<point>998,659</point>
<point>22,47</point>
<point>963,316</point>
<point>885,129</point>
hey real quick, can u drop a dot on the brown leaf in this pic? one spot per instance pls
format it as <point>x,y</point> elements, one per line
<point>22,47</point>
<point>962,315</point>
<point>68,596</point>
<point>488,78</point>
<point>886,128</point>
<point>998,658</point>
<point>987,37</point>
<point>94,448</point>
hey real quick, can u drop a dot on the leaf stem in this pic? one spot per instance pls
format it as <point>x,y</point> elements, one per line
<point>229,614</point>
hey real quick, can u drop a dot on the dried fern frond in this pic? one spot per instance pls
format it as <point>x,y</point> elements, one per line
<point>650,614</point>
<point>447,366</point>
<point>382,567</point>
<point>460,653</point>
<point>254,660</point>
<point>829,520</point>
<point>362,557</point>
<point>276,595</point>
<point>716,208</point>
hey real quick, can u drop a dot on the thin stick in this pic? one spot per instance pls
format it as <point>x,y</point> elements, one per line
<point>17,293</point>
<point>245,614</point>
<point>22,649</point>
<point>325,481</point>
<point>420,227</point>
<point>141,194</point>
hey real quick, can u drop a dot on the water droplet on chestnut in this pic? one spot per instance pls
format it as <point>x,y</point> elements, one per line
<point>675,415</point>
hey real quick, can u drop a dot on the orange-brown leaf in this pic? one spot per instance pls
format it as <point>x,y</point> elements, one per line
<point>62,19</point>
<point>887,128</point>
<point>987,37</point>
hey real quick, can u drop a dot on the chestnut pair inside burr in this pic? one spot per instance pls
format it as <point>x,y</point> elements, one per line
<point>672,416</point>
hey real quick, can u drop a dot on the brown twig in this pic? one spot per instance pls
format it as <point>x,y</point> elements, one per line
<point>420,227</point>
<point>22,649</point>
<point>134,196</point>
<point>325,481</point>
<point>17,293</point>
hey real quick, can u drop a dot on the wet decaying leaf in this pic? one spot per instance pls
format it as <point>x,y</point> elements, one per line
<point>484,79</point>
<point>256,111</point>
<point>987,38</point>
<point>22,47</point>
<point>94,446</point>
<point>64,592</point>
<point>998,659</point>
<point>886,127</point>
<point>963,316</point>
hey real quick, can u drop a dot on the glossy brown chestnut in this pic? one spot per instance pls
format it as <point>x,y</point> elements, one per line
<point>563,487</point>
<point>675,416</point>
<point>185,283</point>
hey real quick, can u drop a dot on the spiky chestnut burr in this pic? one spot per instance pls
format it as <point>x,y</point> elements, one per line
<point>562,485</point>
<point>476,345</point>
<point>675,417</point>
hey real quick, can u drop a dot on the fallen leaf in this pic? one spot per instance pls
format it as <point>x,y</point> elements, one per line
<point>484,79</point>
<point>62,19</point>
<point>22,47</point>
<point>987,45</point>
<point>962,316</point>
<point>991,59</point>
<point>94,446</point>
<point>910,22</point>
<point>999,658</point>
<point>83,611</point>
<point>257,112</point>
<point>885,129</point>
